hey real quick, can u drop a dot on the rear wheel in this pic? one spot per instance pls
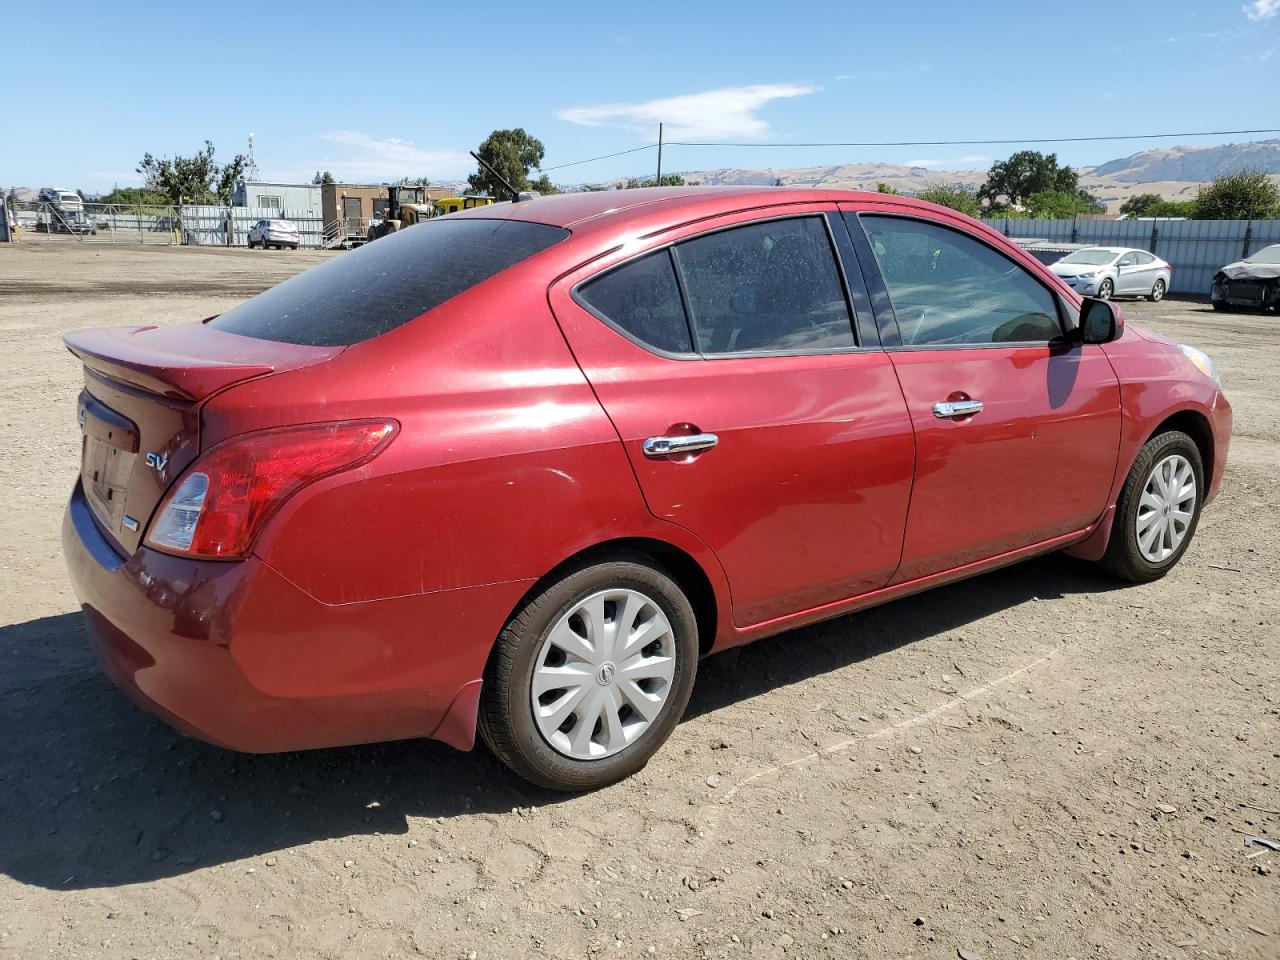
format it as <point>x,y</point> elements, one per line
<point>591,675</point>
<point>1157,292</point>
<point>1106,289</point>
<point>1158,509</point>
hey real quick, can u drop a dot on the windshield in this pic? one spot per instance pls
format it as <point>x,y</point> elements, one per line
<point>1093,256</point>
<point>360,295</point>
<point>1269,254</point>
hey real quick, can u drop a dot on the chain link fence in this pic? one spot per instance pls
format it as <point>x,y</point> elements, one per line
<point>192,224</point>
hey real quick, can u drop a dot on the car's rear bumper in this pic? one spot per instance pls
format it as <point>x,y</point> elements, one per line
<point>234,654</point>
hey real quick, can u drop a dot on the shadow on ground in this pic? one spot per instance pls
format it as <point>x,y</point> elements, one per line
<point>97,793</point>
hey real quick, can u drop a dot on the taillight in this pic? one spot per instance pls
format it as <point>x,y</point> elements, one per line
<point>221,503</point>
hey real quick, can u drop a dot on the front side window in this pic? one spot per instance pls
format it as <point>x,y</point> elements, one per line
<point>950,289</point>
<point>1128,260</point>
<point>642,299</point>
<point>771,286</point>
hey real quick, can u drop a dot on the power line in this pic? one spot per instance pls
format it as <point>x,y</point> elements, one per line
<point>916,143</point>
<point>976,143</point>
<point>606,156</point>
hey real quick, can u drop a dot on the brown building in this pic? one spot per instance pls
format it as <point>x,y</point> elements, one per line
<point>358,202</point>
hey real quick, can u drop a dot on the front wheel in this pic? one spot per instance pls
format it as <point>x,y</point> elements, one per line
<point>1157,292</point>
<point>1158,509</point>
<point>592,674</point>
<point>1106,289</point>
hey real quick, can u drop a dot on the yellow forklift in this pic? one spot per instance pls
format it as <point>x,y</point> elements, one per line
<point>407,204</point>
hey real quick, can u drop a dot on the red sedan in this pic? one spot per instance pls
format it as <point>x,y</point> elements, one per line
<point>519,468</point>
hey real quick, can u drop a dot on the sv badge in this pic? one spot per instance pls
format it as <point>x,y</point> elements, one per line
<point>157,460</point>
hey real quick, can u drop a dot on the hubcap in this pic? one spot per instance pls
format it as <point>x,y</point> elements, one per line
<point>1104,291</point>
<point>603,674</point>
<point>1166,508</point>
<point>1158,292</point>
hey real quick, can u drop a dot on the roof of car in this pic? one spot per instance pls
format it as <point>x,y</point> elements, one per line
<point>574,209</point>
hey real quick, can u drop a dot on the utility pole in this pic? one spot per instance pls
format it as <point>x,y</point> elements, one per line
<point>658,182</point>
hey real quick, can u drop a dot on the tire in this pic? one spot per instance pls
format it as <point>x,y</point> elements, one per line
<point>293,247</point>
<point>1125,556</point>
<point>1157,292</point>
<point>507,720</point>
<point>1106,290</point>
<point>248,241</point>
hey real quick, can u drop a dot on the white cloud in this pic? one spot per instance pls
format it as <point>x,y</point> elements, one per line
<point>363,157</point>
<point>1261,9</point>
<point>728,113</point>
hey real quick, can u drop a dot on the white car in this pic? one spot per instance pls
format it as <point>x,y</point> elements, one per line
<point>1106,272</point>
<point>273,233</point>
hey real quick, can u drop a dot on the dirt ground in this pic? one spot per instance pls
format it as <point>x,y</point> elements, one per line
<point>1035,763</point>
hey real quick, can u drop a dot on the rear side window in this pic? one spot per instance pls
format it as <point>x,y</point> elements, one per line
<point>360,295</point>
<point>948,288</point>
<point>771,287</point>
<point>642,299</point>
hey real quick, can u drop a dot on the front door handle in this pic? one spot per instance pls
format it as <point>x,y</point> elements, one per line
<point>668,446</point>
<point>950,409</point>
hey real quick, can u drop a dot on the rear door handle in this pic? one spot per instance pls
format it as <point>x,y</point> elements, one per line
<point>666,446</point>
<point>949,409</point>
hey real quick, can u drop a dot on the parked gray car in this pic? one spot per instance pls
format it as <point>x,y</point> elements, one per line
<point>1104,272</point>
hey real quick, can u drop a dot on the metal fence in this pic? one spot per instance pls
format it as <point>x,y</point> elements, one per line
<point>1197,249</point>
<point>97,223</point>
<point>156,224</point>
<point>207,225</point>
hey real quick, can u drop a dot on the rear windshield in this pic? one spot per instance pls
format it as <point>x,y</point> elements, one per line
<point>360,295</point>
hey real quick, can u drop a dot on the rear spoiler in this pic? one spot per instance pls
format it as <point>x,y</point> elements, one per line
<point>188,362</point>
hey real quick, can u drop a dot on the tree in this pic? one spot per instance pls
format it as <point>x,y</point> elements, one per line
<point>513,153</point>
<point>196,179</point>
<point>1246,195</point>
<point>954,196</point>
<point>885,188</point>
<point>415,181</point>
<point>1025,173</point>
<point>322,178</point>
<point>1154,205</point>
<point>1060,204</point>
<point>135,196</point>
<point>668,180</point>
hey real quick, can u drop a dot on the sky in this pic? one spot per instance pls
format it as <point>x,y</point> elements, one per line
<point>365,92</point>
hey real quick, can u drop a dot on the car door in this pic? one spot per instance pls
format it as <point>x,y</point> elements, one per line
<point>1017,433</point>
<point>1129,275</point>
<point>752,411</point>
<point>1146,270</point>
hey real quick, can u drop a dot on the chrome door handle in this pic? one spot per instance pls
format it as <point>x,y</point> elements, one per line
<point>666,446</point>
<point>956,408</point>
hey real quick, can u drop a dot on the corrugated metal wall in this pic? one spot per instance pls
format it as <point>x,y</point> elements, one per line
<point>1196,248</point>
<point>207,225</point>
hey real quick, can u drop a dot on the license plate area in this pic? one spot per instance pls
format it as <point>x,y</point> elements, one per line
<point>110,447</point>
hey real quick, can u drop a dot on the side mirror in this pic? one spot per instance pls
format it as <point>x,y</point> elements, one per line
<point>1100,322</point>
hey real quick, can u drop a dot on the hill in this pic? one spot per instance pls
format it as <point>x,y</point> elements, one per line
<point>1174,173</point>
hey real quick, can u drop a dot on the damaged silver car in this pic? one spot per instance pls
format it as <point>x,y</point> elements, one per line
<point>1251,284</point>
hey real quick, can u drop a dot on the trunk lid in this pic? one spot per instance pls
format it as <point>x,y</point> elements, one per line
<point>139,410</point>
